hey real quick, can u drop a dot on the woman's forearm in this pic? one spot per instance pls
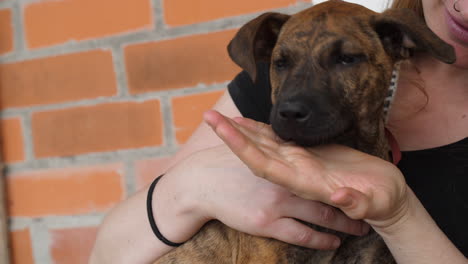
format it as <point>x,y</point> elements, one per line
<point>126,236</point>
<point>125,231</point>
<point>416,238</point>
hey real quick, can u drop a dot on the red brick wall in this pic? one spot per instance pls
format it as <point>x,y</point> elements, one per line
<point>94,95</point>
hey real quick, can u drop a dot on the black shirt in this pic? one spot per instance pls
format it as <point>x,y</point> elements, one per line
<point>438,176</point>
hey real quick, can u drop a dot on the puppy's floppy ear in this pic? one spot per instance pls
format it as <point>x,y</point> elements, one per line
<point>402,33</point>
<point>254,42</point>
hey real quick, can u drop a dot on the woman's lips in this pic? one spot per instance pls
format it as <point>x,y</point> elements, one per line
<point>455,27</point>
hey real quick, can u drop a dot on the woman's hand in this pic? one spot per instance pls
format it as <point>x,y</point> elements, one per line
<point>215,184</point>
<point>363,186</point>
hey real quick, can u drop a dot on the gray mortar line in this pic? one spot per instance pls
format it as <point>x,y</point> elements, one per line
<point>120,71</point>
<point>29,1</point>
<point>92,159</point>
<point>58,222</point>
<point>129,178</point>
<point>167,118</point>
<point>7,4</point>
<point>143,97</point>
<point>76,221</point>
<point>158,11</point>
<point>28,140</point>
<point>18,27</point>
<point>41,242</point>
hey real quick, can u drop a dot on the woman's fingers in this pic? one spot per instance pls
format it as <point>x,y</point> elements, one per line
<point>259,133</point>
<point>259,160</point>
<point>323,215</point>
<point>257,127</point>
<point>293,232</point>
<point>225,129</point>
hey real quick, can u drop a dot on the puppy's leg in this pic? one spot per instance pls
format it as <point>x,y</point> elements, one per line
<point>219,244</point>
<point>215,243</point>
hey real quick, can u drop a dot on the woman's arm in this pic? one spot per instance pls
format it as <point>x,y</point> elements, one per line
<point>363,186</point>
<point>416,238</point>
<point>203,183</point>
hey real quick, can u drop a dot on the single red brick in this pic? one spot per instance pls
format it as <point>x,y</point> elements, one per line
<point>53,22</point>
<point>21,247</point>
<point>58,79</point>
<point>72,246</point>
<point>147,170</point>
<point>104,127</point>
<point>65,191</point>
<point>188,112</point>
<point>182,12</point>
<point>181,62</point>
<point>6,31</point>
<point>12,144</point>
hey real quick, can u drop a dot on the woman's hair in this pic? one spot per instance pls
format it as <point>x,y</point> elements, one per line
<point>415,5</point>
<point>417,81</point>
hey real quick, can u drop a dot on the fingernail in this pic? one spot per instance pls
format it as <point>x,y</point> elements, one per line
<point>237,119</point>
<point>336,243</point>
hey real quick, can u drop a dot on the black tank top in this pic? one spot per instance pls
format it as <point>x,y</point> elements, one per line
<point>438,176</point>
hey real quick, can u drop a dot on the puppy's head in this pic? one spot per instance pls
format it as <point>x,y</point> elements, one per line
<point>331,65</point>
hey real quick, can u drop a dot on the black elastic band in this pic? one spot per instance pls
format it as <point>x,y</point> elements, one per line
<point>149,209</point>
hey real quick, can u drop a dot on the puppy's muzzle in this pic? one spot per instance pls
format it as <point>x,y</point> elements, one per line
<point>295,113</point>
<point>308,122</point>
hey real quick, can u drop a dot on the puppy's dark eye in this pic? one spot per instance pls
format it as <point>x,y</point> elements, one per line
<point>281,64</point>
<point>348,59</point>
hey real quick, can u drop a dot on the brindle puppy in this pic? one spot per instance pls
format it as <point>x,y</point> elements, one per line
<point>330,71</point>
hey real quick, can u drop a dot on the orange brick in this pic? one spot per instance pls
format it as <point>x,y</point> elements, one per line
<point>181,12</point>
<point>147,170</point>
<point>64,78</point>
<point>6,31</point>
<point>181,62</point>
<point>12,140</point>
<point>104,127</point>
<point>188,112</point>
<point>53,22</point>
<point>64,191</point>
<point>72,246</point>
<point>21,247</point>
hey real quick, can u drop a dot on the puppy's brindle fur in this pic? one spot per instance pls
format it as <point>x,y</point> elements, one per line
<point>330,71</point>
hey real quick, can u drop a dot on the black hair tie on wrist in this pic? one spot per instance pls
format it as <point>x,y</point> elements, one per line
<point>149,209</point>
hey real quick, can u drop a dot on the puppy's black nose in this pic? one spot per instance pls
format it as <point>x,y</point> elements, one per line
<point>294,112</point>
